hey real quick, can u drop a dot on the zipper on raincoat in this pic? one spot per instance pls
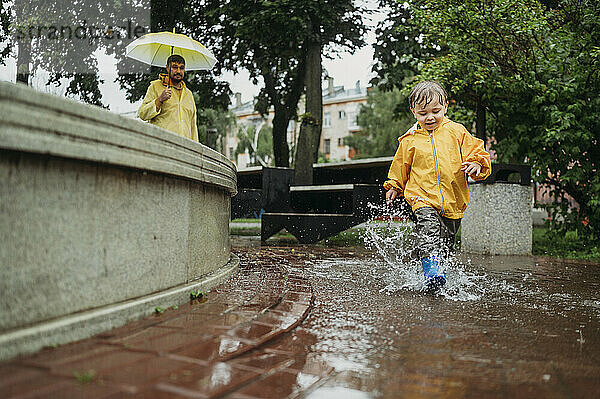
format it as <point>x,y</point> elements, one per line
<point>179,109</point>
<point>437,172</point>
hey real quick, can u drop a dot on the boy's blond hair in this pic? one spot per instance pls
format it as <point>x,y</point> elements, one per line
<point>425,92</point>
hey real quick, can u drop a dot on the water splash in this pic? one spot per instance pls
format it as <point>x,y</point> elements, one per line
<point>391,235</point>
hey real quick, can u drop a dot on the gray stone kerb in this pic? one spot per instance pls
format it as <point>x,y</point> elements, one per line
<point>40,123</point>
<point>85,324</point>
<point>98,211</point>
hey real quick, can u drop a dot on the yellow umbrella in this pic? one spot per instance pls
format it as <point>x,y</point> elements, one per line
<point>155,48</point>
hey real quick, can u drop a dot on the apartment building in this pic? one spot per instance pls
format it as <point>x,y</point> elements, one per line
<point>340,109</point>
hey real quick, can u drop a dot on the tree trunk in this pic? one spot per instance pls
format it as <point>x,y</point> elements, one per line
<point>480,121</point>
<point>23,61</point>
<point>281,150</point>
<point>285,106</point>
<point>310,128</point>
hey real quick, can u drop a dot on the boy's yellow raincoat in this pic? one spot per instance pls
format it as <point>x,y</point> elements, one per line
<point>426,168</point>
<point>177,114</point>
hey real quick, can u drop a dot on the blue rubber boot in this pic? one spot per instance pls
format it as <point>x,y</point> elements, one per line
<point>434,276</point>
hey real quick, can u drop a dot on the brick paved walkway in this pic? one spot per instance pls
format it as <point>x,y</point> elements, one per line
<point>192,351</point>
<point>319,323</point>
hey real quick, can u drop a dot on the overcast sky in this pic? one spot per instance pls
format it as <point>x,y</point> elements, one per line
<point>346,69</point>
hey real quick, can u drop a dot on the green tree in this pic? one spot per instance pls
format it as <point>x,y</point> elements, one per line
<point>259,147</point>
<point>213,125</point>
<point>337,23</point>
<point>399,50</point>
<point>59,38</point>
<point>382,123</point>
<point>64,60</point>
<point>209,92</point>
<point>535,69</point>
<point>271,39</point>
<point>261,37</point>
<point>6,45</point>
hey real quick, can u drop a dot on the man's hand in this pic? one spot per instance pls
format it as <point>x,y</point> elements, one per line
<point>165,95</point>
<point>471,168</point>
<point>391,195</point>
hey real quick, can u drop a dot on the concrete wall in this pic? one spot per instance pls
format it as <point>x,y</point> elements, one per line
<point>498,220</point>
<point>101,218</point>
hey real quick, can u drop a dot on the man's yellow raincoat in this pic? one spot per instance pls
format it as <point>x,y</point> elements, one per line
<point>426,168</point>
<point>177,114</point>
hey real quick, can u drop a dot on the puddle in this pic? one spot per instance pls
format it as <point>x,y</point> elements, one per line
<point>500,321</point>
<point>338,392</point>
<point>402,270</point>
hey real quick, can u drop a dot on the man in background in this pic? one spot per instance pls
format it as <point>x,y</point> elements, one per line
<point>169,103</point>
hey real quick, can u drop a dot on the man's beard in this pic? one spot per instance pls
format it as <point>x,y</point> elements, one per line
<point>176,80</point>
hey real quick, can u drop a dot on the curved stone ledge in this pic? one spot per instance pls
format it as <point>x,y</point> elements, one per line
<point>40,123</point>
<point>97,209</point>
<point>85,324</point>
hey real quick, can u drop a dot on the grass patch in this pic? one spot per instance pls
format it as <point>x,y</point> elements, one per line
<point>85,377</point>
<point>348,238</point>
<point>355,236</point>
<point>569,246</point>
<point>244,231</point>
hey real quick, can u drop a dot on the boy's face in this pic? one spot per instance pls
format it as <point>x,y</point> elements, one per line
<point>430,116</point>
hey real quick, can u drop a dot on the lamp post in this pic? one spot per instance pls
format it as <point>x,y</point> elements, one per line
<point>211,138</point>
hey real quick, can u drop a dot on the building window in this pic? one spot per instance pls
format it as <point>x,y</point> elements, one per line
<point>327,146</point>
<point>352,124</point>
<point>231,154</point>
<point>341,142</point>
<point>327,119</point>
<point>342,114</point>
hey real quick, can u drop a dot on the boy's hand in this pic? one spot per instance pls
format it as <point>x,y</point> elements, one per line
<point>471,168</point>
<point>391,195</point>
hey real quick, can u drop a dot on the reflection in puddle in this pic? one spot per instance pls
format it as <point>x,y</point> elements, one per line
<point>221,375</point>
<point>346,363</point>
<point>347,332</point>
<point>501,321</point>
<point>337,392</point>
<point>228,345</point>
<point>305,380</point>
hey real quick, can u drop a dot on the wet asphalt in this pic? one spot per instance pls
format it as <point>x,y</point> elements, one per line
<point>317,321</point>
<point>505,327</point>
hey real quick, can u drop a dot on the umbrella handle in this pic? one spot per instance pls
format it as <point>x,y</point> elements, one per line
<point>170,71</point>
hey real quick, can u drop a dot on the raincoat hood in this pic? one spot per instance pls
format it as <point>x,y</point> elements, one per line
<point>420,129</point>
<point>164,78</point>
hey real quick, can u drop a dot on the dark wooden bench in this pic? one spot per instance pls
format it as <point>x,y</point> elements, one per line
<point>336,201</point>
<point>261,189</point>
<point>340,195</point>
<point>318,212</point>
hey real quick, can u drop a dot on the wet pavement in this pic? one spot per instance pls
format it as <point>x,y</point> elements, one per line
<point>318,322</point>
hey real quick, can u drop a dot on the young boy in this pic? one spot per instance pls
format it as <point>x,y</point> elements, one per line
<point>430,170</point>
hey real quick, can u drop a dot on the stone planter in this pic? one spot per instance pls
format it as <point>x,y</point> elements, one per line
<point>102,218</point>
<point>498,219</point>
